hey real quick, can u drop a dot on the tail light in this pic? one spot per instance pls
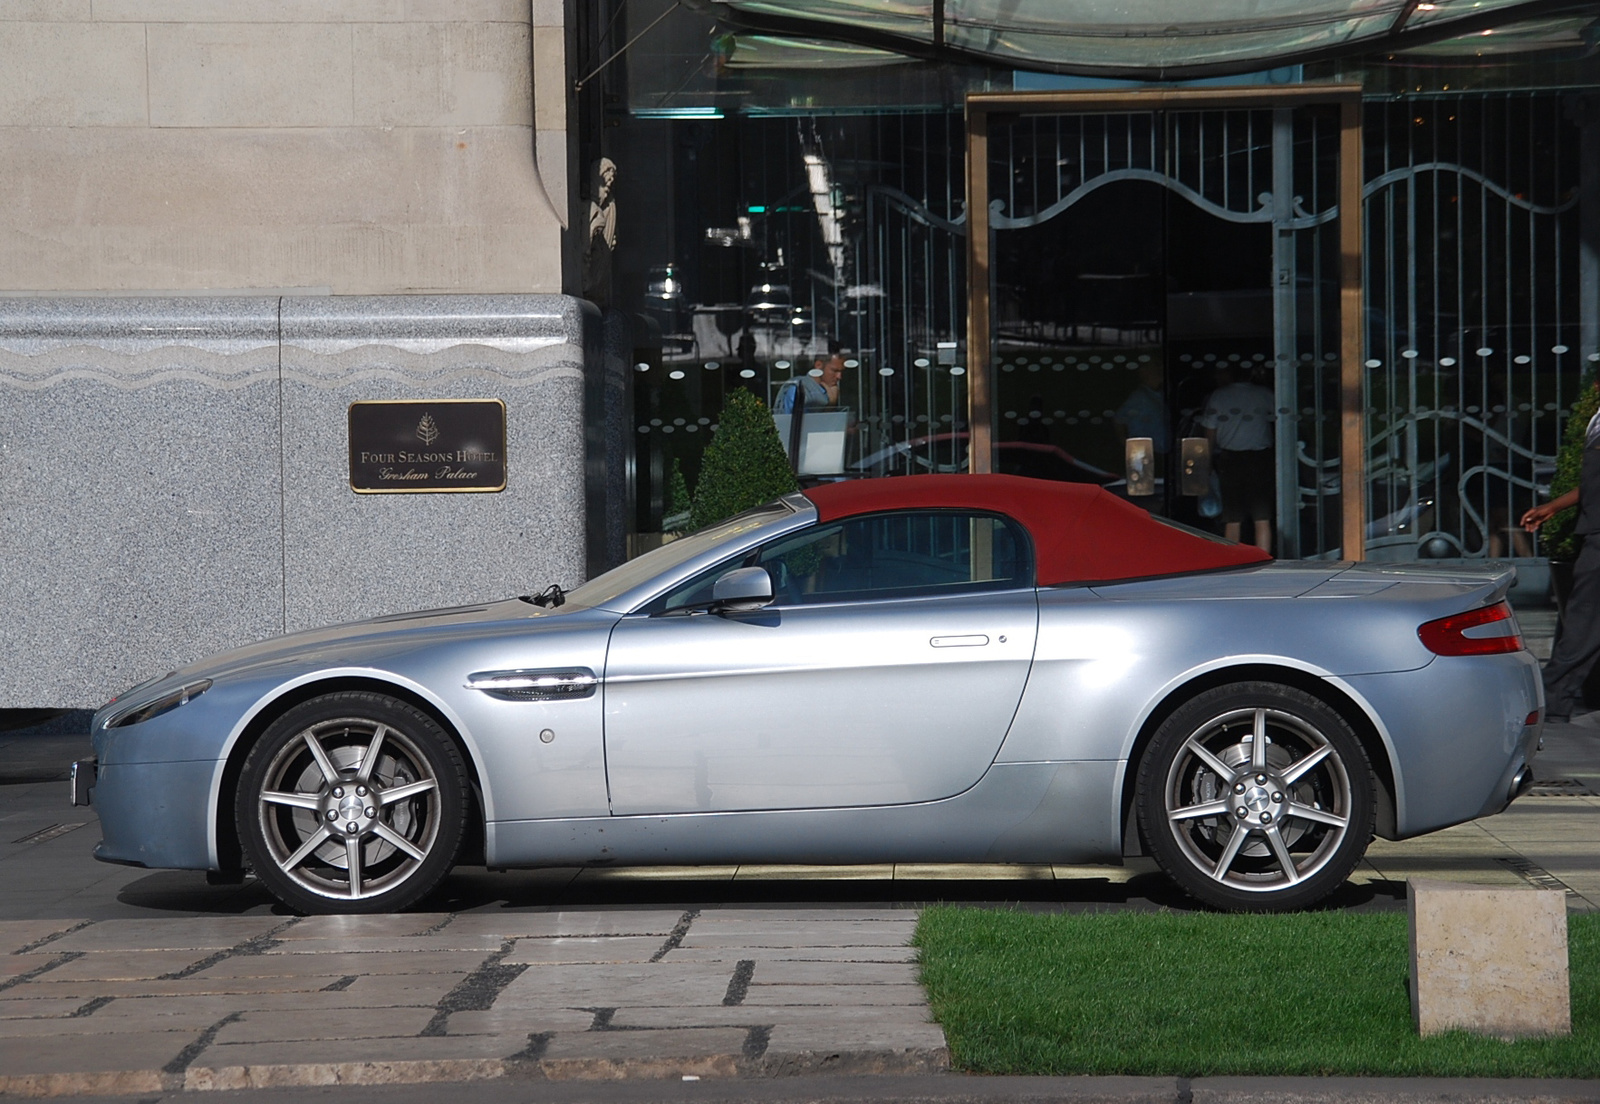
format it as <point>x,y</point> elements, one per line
<point>1487,631</point>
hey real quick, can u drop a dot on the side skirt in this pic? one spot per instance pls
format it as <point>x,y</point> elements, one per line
<point>1061,812</point>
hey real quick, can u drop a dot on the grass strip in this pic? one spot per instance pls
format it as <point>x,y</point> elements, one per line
<point>1205,994</point>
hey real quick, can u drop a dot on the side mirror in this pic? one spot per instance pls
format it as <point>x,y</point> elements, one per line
<point>743,588</point>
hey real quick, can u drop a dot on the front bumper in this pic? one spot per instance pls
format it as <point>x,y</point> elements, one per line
<point>155,814</point>
<point>84,774</point>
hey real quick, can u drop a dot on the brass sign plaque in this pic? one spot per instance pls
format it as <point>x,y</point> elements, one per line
<point>433,445</point>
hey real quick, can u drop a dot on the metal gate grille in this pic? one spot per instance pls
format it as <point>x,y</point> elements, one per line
<point>1472,317</point>
<point>1076,328</point>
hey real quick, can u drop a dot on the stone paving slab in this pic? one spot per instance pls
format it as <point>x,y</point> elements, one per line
<point>795,954</point>
<point>64,1026</point>
<point>42,1006</point>
<point>836,995</point>
<point>122,965</point>
<point>790,972</point>
<point>581,949</point>
<point>204,933</point>
<point>789,1037</point>
<point>477,944</point>
<point>130,1051</point>
<point>747,1014</point>
<point>17,934</point>
<point>512,1022</point>
<point>307,1024</point>
<point>393,925</point>
<point>341,963</point>
<point>90,988</point>
<point>618,922</point>
<point>685,1042</point>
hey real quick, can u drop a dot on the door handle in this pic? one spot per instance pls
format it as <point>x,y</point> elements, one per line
<point>975,641</point>
<point>539,685</point>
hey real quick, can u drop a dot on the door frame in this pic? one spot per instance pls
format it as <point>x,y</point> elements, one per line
<point>980,380</point>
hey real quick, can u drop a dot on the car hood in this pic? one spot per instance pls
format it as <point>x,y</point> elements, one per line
<point>370,642</point>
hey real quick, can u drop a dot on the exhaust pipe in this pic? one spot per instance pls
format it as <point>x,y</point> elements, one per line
<point>1521,783</point>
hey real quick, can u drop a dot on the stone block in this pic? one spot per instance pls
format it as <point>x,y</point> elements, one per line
<point>72,75</point>
<point>550,77</point>
<point>250,74</point>
<point>1488,960</point>
<point>47,11</point>
<point>442,209</point>
<point>442,74</point>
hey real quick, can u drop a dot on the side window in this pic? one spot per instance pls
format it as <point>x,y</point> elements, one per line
<point>899,555</point>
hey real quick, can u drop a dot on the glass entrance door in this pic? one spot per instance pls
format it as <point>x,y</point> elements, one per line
<point>1172,273</point>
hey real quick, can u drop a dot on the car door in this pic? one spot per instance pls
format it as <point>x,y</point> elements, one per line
<point>886,671</point>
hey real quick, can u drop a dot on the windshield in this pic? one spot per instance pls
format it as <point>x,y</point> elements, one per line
<point>603,589</point>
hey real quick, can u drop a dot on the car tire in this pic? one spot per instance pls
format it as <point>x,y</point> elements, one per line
<point>346,782</point>
<point>1248,825</point>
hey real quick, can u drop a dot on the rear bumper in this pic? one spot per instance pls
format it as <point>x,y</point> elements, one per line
<point>1457,735</point>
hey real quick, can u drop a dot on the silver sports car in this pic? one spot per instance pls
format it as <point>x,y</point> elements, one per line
<point>950,668</point>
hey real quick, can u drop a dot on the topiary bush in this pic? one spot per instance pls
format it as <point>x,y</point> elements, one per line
<point>744,465</point>
<point>1556,535</point>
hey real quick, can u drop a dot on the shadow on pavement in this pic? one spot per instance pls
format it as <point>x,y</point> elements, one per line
<point>474,889</point>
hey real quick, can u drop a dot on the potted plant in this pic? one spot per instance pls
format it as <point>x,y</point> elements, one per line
<point>744,465</point>
<point>1557,537</point>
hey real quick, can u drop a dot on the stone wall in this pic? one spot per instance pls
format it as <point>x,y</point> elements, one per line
<point>344,146</point>
<point>174,473</point>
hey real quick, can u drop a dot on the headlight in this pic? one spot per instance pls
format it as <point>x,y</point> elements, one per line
<point>164,704</point>
<point>135,689</point>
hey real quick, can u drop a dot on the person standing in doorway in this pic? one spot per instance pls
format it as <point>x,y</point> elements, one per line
<point>1578,645</point>
<point>1239,424</point>
<point>820,387</point>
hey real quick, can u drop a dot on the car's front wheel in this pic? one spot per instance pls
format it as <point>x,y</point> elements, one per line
<point>352,802</point>
<point>1256,796</point>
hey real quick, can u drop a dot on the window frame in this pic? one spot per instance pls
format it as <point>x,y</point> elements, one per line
<point>1027,578</point>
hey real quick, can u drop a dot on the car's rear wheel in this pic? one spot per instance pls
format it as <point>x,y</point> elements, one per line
<point>351,802</point>
<point>1255,797</point>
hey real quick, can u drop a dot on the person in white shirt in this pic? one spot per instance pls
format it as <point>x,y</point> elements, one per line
<point>1239,423</point>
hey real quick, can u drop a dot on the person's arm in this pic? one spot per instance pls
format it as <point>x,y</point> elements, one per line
<point>785,403</point>
<point>1541,514</point>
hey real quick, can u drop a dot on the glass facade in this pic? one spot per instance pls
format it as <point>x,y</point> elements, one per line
<point>782,199</point>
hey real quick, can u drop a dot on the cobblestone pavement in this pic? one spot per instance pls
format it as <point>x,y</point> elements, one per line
<point>130,1006</point>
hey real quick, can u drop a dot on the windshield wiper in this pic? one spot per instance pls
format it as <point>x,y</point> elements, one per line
<point>548,598</point>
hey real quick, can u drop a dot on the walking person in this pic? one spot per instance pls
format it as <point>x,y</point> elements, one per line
<point>1579,642</point>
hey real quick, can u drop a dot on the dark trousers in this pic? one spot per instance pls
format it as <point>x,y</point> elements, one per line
<point>1579,643</point>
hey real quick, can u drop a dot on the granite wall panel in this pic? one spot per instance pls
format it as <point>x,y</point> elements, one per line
<point>174,473</point>
<point>351,555</point>
<point>140,512</point>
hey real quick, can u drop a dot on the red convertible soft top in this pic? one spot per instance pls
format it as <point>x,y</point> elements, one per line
<point>1081,534</point>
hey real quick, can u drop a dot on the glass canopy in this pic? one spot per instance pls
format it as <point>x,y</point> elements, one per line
<point>1133,38</point>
